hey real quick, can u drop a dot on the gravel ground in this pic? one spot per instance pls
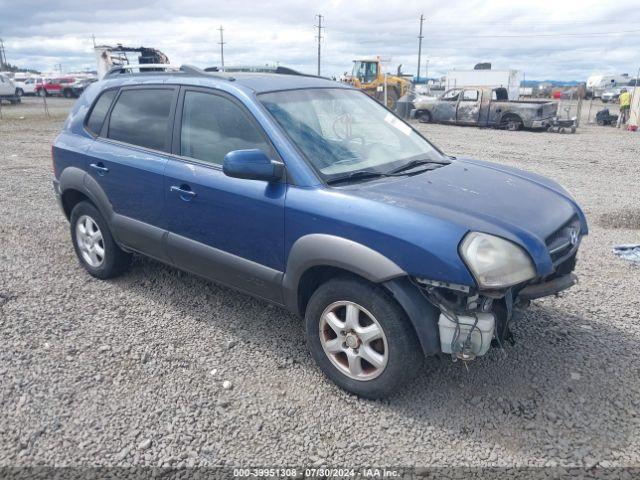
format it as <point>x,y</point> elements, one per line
<point>133,371</point>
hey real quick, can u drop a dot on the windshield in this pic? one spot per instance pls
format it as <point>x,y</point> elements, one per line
<point>342,131</point>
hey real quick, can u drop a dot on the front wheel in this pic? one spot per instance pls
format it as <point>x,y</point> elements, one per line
<point>360,338</point>
<point>424,116</point>
<point>19,92</point>
<point>94,245</point>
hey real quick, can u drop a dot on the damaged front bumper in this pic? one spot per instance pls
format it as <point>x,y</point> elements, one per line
<point>545,289</point>
<point>472,320</point>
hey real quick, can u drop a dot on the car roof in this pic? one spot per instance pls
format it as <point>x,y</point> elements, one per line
<point>257,82</point>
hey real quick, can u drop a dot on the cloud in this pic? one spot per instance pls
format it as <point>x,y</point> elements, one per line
<point>545,39</point>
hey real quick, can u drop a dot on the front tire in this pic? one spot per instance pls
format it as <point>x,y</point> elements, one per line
<point>425,117</point>
<point>94,245</point>
<point>361,338</point>
<point>19,92</point>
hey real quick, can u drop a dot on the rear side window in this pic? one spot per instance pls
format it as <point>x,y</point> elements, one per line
<point>213,126</point>
<point>99,112</point>
<point>141,117</point>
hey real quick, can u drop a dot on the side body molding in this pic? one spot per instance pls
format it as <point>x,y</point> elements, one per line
<point>328,250</point>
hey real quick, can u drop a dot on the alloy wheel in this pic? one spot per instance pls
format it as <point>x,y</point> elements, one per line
<point>90,241</point>
<point>353,340</point>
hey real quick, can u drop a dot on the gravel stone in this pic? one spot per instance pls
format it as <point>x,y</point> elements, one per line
<point>177,327</point>
<point>145,444</point>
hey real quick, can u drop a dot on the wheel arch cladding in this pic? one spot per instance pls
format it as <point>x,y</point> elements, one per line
<point>421,313</point>
<point>73,179</point>
<point>322,250</point>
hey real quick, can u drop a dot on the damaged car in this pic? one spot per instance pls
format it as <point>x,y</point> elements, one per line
<point>485,107</point>
<point>311,195</point>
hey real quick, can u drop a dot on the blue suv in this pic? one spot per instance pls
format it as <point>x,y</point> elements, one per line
<point>309,194</point>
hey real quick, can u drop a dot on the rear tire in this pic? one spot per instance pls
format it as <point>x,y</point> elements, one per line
<point>513,123</point>
<point>19,92</point>
<point>395,353</point>
<point>94,245</point>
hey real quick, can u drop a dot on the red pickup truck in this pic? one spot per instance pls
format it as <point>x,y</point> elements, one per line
<point>53,86</point>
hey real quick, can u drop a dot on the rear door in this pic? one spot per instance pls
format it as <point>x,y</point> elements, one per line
<point>468,112</point>
<point>128,159</point>
<point>228,229</point>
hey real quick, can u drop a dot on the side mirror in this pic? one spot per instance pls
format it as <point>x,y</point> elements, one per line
<point>252,165</point>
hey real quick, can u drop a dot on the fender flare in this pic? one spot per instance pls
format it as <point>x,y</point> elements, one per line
<point>332,251</point>
<point>422,314</point>
<point>74,178</point>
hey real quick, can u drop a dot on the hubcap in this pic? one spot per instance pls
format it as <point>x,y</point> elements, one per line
<point>90,241</point>
<point>353,340</point>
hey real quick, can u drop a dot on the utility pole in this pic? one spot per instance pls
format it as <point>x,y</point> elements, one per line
<point>420,37</point>
<point>320,27</point>
<point>221,43</point>
<point>3,56</point>
<point>93,37</point>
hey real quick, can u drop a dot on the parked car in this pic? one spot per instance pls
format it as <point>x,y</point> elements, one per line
<point>611,94</point>
<point>25,85</point>
<point>8,90</point>
<point>75,89</point>
<point>53,86</point>
<point>485,107</point>
<point>309,194</point>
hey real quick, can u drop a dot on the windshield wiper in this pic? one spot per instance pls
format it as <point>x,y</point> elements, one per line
<point>357,175</point>
<point>416,163</point>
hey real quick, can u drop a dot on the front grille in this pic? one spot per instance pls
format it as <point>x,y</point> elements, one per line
<point>563,241</point>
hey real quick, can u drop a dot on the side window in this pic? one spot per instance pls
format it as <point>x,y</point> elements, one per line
<point>213,126</point>
<point>451,95</point>
<point>470,96</point>
<point>99,111</point>
<point>141,117</point>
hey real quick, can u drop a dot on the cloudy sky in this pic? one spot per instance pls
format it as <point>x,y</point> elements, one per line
<point>559,39</point>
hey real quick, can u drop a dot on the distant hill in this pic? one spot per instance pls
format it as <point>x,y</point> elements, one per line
<point>558,83</point>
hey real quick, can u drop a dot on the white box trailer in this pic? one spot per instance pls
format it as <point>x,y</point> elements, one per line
<point>509,79</point>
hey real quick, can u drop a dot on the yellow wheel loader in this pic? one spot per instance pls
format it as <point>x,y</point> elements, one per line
<point>367,75</point>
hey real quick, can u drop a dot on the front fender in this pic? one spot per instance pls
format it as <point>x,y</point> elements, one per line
<point>332,251</point>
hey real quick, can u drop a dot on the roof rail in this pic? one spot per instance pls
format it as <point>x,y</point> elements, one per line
<point>190,69</point>
<point>123,68</point>
<point>209,73</point>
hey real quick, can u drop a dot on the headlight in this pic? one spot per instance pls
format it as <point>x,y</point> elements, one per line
<point>494,261</point>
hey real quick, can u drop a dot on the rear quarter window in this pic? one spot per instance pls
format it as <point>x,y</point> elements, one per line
<point>99,111</point>
<point>141,117</point>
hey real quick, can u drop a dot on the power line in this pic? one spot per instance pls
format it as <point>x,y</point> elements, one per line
<point>420,37</point>
<point>221,43</point>
<point>320,27</point>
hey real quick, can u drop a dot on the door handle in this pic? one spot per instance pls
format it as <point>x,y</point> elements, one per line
<point>99,168</point>
<point>185,192</point>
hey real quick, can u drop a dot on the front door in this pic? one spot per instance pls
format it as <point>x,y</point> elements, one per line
<point>444,110</point>
<point>128,159</point>
<point>468,112</point>
<point>227,229</point>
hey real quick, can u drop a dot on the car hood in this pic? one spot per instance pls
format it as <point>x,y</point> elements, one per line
<point>523,207</point>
